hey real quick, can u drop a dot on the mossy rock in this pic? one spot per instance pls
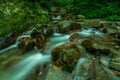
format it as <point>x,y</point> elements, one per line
<point>66,56</point>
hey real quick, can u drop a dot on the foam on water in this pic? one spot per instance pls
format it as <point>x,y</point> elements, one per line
<point>21,70</point>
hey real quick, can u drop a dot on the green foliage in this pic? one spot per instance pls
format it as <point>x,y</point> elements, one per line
<point>97,9</point>
<point>20,15</point>
<point>113,17</point>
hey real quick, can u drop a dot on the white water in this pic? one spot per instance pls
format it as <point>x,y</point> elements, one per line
<point>22,70</point>
<point>91,32</point>
<point>56,40</point>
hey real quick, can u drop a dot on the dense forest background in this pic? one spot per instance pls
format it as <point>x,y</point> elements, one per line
<point>21,14</point>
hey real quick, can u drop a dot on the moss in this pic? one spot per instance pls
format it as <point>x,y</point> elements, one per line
<point>68,67</point>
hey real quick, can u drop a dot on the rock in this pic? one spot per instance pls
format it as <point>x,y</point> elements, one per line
<point>87,44</point>
<point>67,26</point>
<point>48,30</point>
<point>115,35</point>
<point>92,70</point>
<point>26,44</point>
<point>80,17</point>
<point>40,41</point>
<point>75,37</point>
<point>93,22</point>
<point>115,64</point>
<point>8,40</point>
<point>36,32</point>
<point>65,56</point>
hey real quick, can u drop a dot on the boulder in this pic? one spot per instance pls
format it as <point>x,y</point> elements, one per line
<point>68,26</point>
<point>26,44</point>
<point>66,56</point>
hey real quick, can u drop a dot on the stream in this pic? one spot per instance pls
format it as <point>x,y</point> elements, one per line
<point>23,68</point>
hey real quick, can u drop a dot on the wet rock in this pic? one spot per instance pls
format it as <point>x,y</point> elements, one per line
<point>88,45</point>
<point>36,32</point>
<point>49,30</point>
<point>26,44</point>
<point>40,41</point>
<point>92,70</point>
<point>38,38</point>
<point>74,37</point>
<point>67,26</point>
<point>65,56</point>
<point>115,63</point>
<point>104,30</point>
<point>93,23</point>
<point>115,35</point>
<point>8,40</point>
<point>69,17</point>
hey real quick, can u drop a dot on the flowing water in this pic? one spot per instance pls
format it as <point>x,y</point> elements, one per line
<point>14,46</point>
<point>23,68</point>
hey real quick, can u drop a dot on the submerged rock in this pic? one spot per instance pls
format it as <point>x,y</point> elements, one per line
<point>66,56</point>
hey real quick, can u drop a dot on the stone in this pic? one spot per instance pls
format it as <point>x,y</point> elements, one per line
<point>8,40</point>
<point>65,56</point>
<point>49,30</point>
<point>36,32</point>
<point>87,43</point>
<point>92,70</point>
<point>40,41</point>
<point>26,44</point>
<point>80,17</point>
<point>93,22</point>
<point>75,37</point>
<point>68,26</point>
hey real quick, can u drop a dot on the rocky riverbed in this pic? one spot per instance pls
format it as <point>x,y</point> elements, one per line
<point>63,50</point>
